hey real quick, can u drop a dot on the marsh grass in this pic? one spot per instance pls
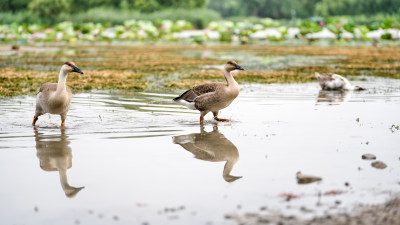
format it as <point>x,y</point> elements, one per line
<point>177,67</point>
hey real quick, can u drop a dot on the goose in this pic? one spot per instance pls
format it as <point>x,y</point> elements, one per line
<point>335,82</point>
<point>211,146</point>
<point>55,154</point>
<point>55,98</point>
<point>212,97</point>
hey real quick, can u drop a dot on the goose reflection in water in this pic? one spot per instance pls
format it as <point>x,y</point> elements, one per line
<point>211,146</point>
<point>333,96</point>
<point>55,154</point>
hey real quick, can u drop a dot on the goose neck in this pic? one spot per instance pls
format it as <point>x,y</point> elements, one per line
<point>229,78</point>
<point>62,79</point>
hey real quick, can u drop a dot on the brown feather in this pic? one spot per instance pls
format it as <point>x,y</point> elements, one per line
<point>198,90</point>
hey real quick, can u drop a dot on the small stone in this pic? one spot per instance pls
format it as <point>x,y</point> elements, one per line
<point>227,216</point>
<point>379,165</point>
<point>346,184</point>
<point>368,157</point>
<point>306,179</point>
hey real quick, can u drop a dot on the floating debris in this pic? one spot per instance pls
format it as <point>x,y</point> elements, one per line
<point>334,192</point>
<point>368,156</point>
<point>288,196</point>
<point>306,179</point>
<point>393,128</point>
<point>379,165</point>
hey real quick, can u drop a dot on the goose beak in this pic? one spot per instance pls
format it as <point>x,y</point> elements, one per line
<point>77,70</point>
<point>237,67</point>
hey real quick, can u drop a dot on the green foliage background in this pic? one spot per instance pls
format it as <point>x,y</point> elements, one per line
<point>198,12</point>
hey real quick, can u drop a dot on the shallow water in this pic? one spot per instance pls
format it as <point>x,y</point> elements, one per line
<point>142,159</point>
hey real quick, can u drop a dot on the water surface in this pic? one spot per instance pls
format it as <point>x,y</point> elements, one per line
<point>135,158</point>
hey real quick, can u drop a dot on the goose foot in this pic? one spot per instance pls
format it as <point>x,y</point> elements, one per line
<point>35,118</point>
<point>63,123</point>
<point>222,120</point>
<point>201,119</point>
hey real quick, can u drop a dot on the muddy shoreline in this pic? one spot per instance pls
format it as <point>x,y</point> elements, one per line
<point>387,213</point>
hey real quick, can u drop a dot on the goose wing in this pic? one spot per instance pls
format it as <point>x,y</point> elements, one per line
<point>47,87</point>
<point>331,82</point>
<point>199,90</point>
<point>50,87</point>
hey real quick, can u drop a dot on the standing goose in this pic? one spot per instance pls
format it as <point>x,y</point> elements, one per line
<point>212,97</point>
<point>56,98</point>
<point>335,82</point>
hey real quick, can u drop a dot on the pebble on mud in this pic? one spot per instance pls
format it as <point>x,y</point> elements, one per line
<point>368,156</point>
<point>306,179</point>
<point>379,165</point>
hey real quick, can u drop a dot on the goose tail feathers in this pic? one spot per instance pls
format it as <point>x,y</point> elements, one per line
<point>188,95</point>
<point>186,99</point>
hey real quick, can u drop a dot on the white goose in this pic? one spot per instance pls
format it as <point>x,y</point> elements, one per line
<point>335,82</point>
<point>55,98</point>
<point>212,97</point>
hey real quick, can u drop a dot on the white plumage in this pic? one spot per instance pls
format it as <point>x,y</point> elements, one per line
<point>335,82</point>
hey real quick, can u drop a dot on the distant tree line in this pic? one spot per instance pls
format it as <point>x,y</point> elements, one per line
<point>227,8</point>
<point>50,8</point>
<point>303,8</point>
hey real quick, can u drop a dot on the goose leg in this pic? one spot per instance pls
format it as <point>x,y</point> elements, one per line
<point>220,119</point>
<point>202,114</point>
<point>35,118</point>
<point>63,117</point>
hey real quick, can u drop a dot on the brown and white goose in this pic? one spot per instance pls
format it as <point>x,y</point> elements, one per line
<point>335,82</point>
<point>212,97</point>
<point>55,98</point>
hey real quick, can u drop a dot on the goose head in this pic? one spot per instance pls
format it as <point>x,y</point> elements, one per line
<point>231,66</point>
<point>70,67</point>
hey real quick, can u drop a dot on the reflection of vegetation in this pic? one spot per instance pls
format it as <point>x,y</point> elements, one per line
<point>158,67</point>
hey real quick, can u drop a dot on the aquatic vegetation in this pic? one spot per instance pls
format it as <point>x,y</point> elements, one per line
<point>127,67</point>
<point>223,31</point>
<point>18,82</point>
